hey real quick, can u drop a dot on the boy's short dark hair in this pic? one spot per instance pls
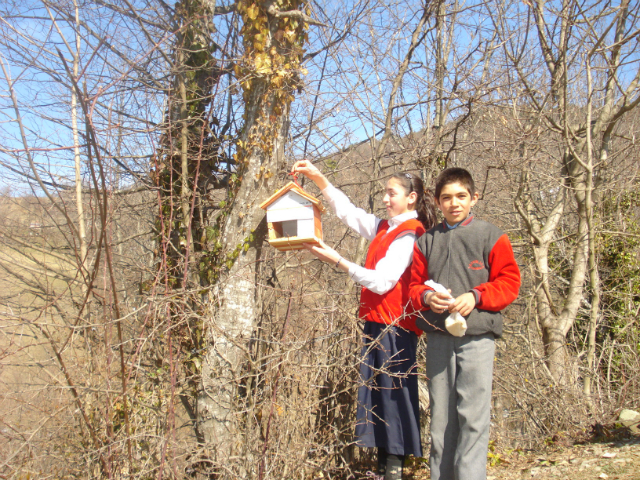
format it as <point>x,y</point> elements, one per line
<point>455,175</point>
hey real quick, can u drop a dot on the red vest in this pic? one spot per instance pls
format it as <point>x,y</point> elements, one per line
<point>394,304</point>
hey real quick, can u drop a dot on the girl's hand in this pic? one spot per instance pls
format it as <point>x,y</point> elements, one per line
<point>327,254</point>
<point>324,252</point>
<point>309,170</point>
<point>464,304</point>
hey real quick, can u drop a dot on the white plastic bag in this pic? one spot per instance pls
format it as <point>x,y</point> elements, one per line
<point>455,323</point>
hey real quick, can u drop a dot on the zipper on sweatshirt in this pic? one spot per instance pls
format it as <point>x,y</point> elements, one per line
<point>451,233</point>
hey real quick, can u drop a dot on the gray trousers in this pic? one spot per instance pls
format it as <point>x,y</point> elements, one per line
<point>460,372</point>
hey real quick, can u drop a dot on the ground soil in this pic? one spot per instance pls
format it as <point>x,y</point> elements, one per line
<point>611,453</point>
<point>613,460</point>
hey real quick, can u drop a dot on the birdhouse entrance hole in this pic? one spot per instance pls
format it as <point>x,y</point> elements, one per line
<point>286,229</point>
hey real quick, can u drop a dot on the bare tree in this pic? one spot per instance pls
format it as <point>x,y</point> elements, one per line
<point>583,50</point>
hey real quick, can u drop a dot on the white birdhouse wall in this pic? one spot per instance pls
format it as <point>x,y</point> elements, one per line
<point>290,206</point>
<point>306,228</point>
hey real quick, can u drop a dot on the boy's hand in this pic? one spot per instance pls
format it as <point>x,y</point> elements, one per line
<point>438,301</point>
<point>464,304</point>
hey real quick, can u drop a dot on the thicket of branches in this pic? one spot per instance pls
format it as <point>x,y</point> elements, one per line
<point>146,327</point>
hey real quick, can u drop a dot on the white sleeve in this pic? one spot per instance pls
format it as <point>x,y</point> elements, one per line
<point>389,269</point>
<point>363,223</point>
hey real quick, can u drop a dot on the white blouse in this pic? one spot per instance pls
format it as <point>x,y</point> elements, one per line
<point>399,255</point>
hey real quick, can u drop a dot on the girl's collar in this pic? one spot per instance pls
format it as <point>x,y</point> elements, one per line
<point>403,217</point>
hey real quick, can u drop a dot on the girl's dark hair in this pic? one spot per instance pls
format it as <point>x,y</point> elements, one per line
<point>425,204</point>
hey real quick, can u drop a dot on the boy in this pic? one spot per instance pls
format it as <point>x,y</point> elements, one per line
<point>474,260</point>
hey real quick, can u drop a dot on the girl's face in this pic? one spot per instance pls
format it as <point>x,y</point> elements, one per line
<point>396,199</point>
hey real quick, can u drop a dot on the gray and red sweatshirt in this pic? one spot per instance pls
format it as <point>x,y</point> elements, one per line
<point>476,257</point>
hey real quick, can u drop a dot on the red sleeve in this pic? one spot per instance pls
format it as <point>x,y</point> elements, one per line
<point>419,275</point>
<point>504,278</point>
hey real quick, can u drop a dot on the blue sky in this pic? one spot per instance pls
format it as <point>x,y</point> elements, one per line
<point>352,80</point>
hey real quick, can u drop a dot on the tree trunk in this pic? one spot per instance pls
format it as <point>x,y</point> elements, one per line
<point>273,38</point>
<point>82,236</point>
<point>556,327</point>
<point>554,340</point>
<point>235,300</point>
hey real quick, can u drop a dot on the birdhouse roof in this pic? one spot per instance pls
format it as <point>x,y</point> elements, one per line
<point>292,187</point>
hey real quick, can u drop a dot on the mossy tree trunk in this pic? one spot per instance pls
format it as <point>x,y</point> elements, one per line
<point>269,74</point>
<point>189,154</point>
<point>213,250</point>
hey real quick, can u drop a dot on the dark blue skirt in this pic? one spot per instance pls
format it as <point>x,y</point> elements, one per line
<point>388,413</point>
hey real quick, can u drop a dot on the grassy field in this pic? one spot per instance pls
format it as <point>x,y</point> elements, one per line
<point>33,396</point>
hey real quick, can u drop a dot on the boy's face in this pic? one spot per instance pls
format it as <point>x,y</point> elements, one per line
<point>455,202</point>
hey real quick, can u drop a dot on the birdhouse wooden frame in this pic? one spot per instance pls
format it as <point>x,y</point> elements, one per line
<point>293,217</point>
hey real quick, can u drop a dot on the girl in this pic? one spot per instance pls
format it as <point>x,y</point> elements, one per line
<point>387,413</point>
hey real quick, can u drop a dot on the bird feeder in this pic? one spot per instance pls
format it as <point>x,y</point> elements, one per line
<point>293,217</point>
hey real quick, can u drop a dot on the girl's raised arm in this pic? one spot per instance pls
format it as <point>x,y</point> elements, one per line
<point>363,223</point>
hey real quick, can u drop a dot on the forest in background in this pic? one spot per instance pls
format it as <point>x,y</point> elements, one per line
<point>148,330</point>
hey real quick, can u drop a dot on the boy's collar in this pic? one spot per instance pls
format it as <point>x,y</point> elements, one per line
<point>463,223</point>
